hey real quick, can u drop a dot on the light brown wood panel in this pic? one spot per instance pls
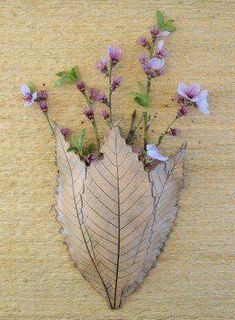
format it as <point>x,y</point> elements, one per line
<point>194,278</point>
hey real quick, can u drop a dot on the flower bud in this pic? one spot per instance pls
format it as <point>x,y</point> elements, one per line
<point>183,111</point>
<point>174,132</point>
<point>143,42</point>
<point>81,86</point>
<point>105,114</point>
<point>89,113</point>
<point>43,106</point>
<point>116,83</point>
<point>65,132</point>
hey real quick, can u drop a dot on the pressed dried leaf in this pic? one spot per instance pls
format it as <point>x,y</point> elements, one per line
<point>115,215</point>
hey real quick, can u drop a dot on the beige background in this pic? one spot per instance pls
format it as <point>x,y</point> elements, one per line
<point>195,276</point>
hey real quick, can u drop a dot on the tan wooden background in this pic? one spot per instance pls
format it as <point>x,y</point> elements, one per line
<point>194,278</point>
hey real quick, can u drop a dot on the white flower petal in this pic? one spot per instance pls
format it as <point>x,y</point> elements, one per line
<point>182,88</point>
<point>153,152</point>
<point>203,94</point>
<point>164,33</point>
<point>28,104</point>
<point>203,106</point>
<point>24,90</point>
<point>34,96</point>
<point>160,45</point>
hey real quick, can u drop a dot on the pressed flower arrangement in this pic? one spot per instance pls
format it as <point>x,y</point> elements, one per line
<point>116,201</point>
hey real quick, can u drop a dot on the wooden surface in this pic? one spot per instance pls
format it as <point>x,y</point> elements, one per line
<point>194,278</point>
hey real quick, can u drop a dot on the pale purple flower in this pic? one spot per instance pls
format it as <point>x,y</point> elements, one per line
<point>174,132</point>
<point>116,83</point>
<point>155,32</point>
<point>28,96</point>
<point>192,93</point>
<point>81,86</point>
<point>161,52</point>
<point>103,66</point>
<point>154,67</point>
<point>89,113</point>
<point>105,114</point>
<point>153,153</point>
<point>65,131</point>
<point>143,42</point>
<point>114,54</point>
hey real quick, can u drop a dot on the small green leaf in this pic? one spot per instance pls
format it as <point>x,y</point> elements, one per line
<point>140,101</point>
<point>71,149</point>
<point>32,87</point>
<point>142,87</point>
<point>62,81</point>
<point>63,74</point>
<point>160,18</point>
<point>169,28</point>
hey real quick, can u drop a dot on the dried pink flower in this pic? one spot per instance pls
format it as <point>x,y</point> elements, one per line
<point>105,114</point>
<point>65,132</point>
<point>161,52</point>
<point>89,113</point>
<point>81,86</point>
<point>103,66</point>
<point>28,96</point>
<point>143,42</point>
<point>115,54</point>
<point>174,132</point>
<point>155,32</point>
<point>91,158</point>
<point>116,83</point>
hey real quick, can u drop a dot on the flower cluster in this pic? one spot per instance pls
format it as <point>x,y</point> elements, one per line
<point>153,65</point>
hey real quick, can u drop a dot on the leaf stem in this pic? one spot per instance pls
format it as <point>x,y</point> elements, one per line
<point>162,135</point>
<point>49,122</point>
<point>131,134</point>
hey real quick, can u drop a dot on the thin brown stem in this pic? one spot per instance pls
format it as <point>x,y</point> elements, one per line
<point>162,135</point>
<point>49,122</point>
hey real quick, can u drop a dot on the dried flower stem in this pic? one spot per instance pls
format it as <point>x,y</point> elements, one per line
<point>110,95</point>
<point>148,89</point>
<point>49,122</point>
<point>162,135</point>
<point>93,121</point>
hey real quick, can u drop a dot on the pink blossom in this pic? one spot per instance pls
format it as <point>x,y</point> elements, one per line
<point>28,96</point>
<point>143,59</point>
<point>153,153</point>
<point>115,54</point>
<point>91,158</point>
<point>161,52</point>
<point>116,83</point>
<point>103,66</point>
<point>154,67</point>
<point>192,93</point>
<point>155,32</point>
<point>42,95</point>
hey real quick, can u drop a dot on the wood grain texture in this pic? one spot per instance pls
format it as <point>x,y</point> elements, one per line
<point>195,276</point>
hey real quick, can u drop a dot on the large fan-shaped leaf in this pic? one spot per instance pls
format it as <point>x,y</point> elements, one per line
<point>115,215</point>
